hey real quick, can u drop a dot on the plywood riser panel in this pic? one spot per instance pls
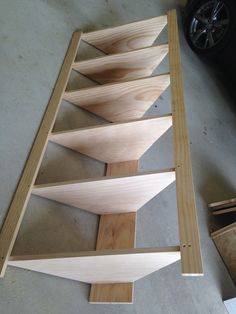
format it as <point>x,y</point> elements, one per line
<point>116,232</point>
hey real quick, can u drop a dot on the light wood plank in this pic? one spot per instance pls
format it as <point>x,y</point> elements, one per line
<point>188,226</point>
<point>101,266</point>
<point>223,204</point>
<point>123,66</point>
<point>122,168</point>
<point>112,293</point>
<point>18,205</point>
<point>119,102</point>
<point>117,231</point>
<point>221,231</point>
<point>224,211</point>
<point>127,37</point>
<point>107,195</point>
<point>112,143</point>
<point>225,241</point>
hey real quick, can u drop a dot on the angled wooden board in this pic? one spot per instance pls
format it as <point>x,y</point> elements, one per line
<point>119,102</point>
<point>225,241</point>
<point>127,37</point>
<point>19,202</point>
<point>116,232</point>
<point>191,259</point>
<point>101,266</point>
<point>224,230</point>
<point>112,143</point>
<point>223,204</point>
<point>108,195</point>
<point>224,211</point>
<point>123,66</point>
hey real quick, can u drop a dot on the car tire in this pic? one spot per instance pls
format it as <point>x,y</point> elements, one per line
<point>210,25</point>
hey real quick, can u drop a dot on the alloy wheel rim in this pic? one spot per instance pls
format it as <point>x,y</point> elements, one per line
<point>209,24</point>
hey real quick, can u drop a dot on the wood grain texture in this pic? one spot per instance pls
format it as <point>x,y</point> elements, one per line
<point>116,266</point>
<point>188,226</point>
<point>225,241</point>
<point>122,168</point>
<point>119,102</point>
<point>224,211</point>
<point>108,195</point>
<point>223,204</point>
<point>19,202</point>
<point>123,66</point>
<point>117,231</point>
<point>113,143</point>
<point>127,37</point>
<point>112,293</point>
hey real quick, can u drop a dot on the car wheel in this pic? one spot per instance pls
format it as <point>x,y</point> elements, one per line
<point>210,25</point>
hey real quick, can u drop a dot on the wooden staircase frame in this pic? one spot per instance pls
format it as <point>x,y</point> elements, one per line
<point>122,76</point>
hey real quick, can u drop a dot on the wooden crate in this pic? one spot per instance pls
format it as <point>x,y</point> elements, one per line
<point>127,91</point>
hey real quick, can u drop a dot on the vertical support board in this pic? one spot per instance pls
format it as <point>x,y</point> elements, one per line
<point>188,226</point>
<point>20,199</point>
<point>116,231</point>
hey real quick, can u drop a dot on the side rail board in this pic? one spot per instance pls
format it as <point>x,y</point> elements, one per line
<point>191,260</point>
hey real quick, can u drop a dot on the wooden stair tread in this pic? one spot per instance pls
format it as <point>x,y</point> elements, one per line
<point>108,195</point>
<point>120,102</point>
<point>127,37</point>
<point>115,142</point>
<point>116,266</point>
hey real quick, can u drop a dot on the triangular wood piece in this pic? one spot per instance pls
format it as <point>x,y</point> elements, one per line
<point>127,37</point>
<point>119,102</point>
<point>123,66</point>
<point>117,266</point>
<point>108,195</point>
<point>115,142</point>
<point>225,240</point>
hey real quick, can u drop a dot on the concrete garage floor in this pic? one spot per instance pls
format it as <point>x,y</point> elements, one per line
<point>34,39</point>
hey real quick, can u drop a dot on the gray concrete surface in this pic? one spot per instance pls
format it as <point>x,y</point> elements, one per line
<point>34,38</point>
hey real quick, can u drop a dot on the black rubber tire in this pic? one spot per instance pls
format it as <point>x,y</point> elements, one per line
<point>228,37</point>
